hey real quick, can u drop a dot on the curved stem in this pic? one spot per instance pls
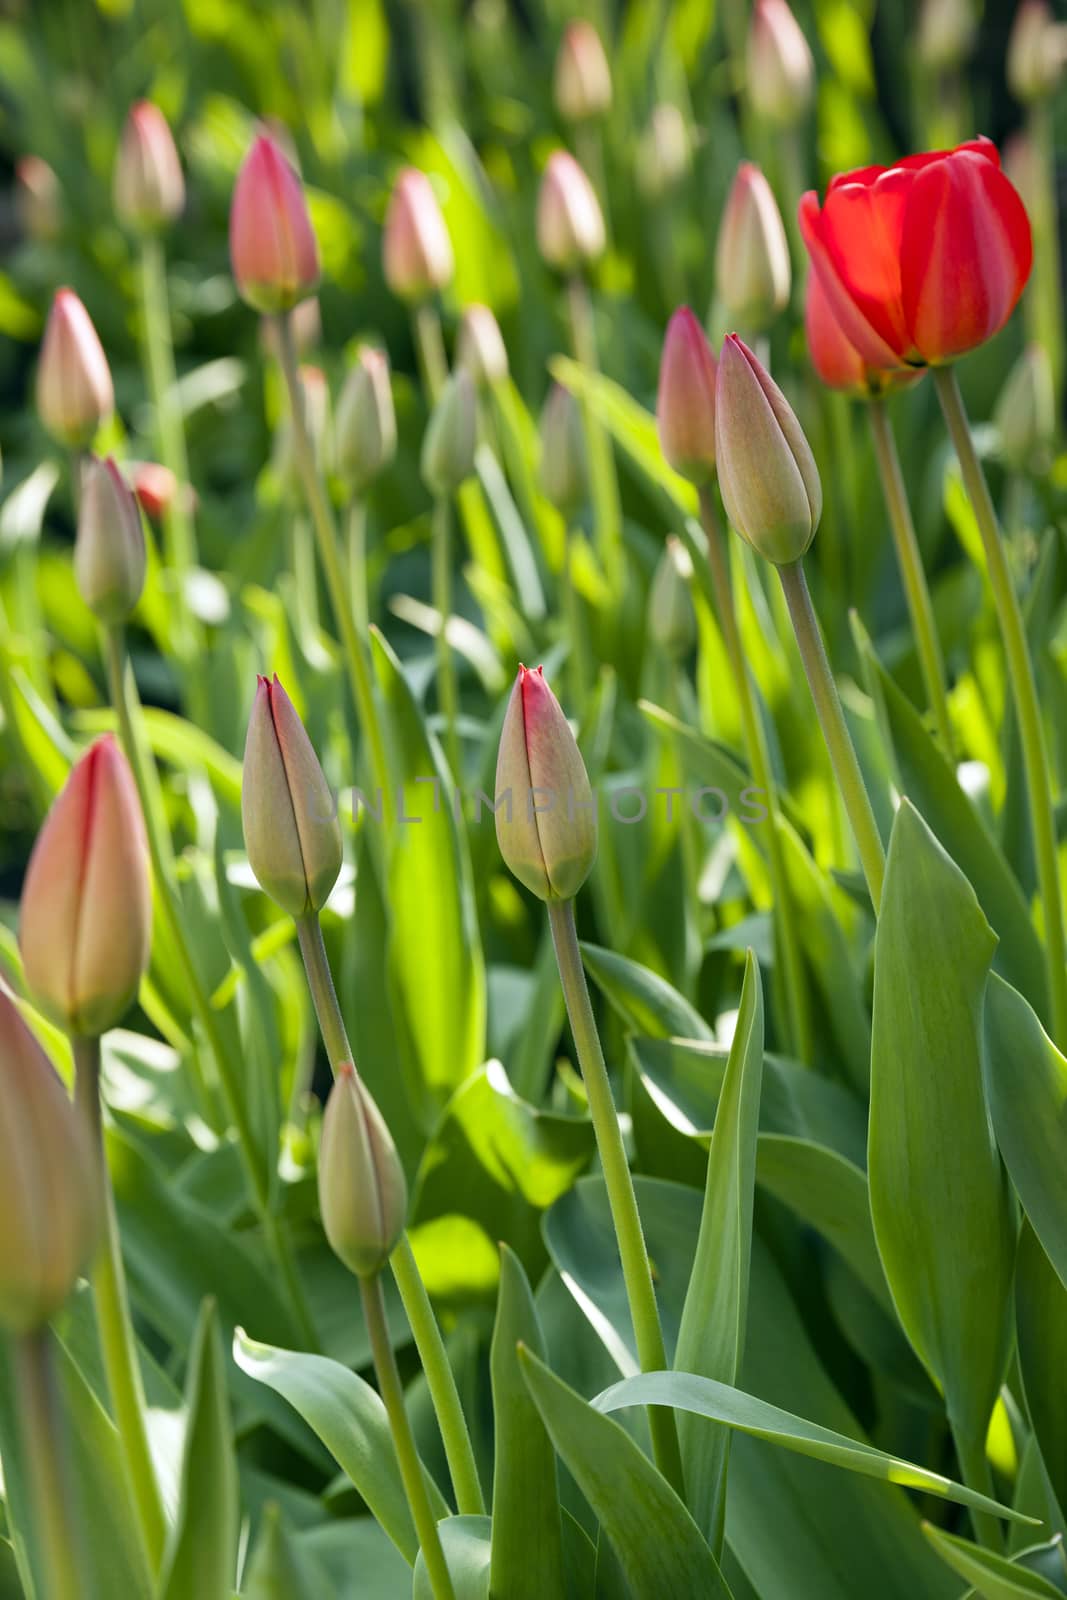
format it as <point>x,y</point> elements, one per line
<point>45,1447</point>
<point>834,728</point>
<point>442,599</point>
<point>430,348</point>
<point>909,559</point>
<point>636,1271</point>
<point>603,480</point>
<point>1024,695</point>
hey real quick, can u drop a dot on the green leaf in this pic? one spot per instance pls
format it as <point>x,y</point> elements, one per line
<point>655,1539</point>
<point>201,1557</point>
<point>992,1576</point>
<point>711,1337</point>
<point>646,1002</point>
<point>1041,1327</point>
<point>466,1544</point>
<point>281,1568</point>
<point>939,1199</point>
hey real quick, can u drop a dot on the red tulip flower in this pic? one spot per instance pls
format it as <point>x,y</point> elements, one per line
<point>834,356</point>
<point>273,251</point>
<point>922,261</point>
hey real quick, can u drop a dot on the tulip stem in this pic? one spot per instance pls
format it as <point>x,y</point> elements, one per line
<point>1024,694</point>
<point>798,1011</point>
<point>357,562</point>
<point>1046,298</point>
<point>411,1468</point>
<point>114,1323</point>
<point>636,1271</point>
<point>976,1474</point>
<point>447,698</point>
<point>909,559</point>
<point>430,348</point>
<point>834,728</point>
<point>45,1449</point>
<point>603,480</point>
<point>571,606</point>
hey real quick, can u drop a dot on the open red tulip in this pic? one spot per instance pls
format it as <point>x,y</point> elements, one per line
<point>836,359</point>
<point>924,260</point>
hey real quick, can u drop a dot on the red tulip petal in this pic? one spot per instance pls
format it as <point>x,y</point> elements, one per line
<point>856,323</point>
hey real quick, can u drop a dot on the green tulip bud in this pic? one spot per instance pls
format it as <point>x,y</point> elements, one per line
<point>582,80</point>
<point>563,473</point>
<point>1025,414</point>
<point>672,621</point>
<point>448,444</point>
<point>480,346</point>
<point>365,430</point>
<point>752,272</point>
<point>362,1191</point>
<point>109,552</point>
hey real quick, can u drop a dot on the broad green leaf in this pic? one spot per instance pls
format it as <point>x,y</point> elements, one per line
<point>466,1544</point>
<point>939,1199</point>
<point>181,744</point>
<point>358,1558</point>
<point>655,1539</point>
<point>711,1338</point>
<point>992,1576</point>
<point>646,1002</point>
<point>280,1568</point>
<point>1041,1328</point>
<point>201,1556</point>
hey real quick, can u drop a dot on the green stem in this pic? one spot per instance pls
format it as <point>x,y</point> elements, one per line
<point>577,652</point>
<point>975,1470</point>
<point>603,479</point>
<point>411,1472</point>
<point>636,1271</point>
<point>447,697</point>
<point>798,1010</point>
<point>114,1324</point>
<point>1046,298</point>
<point>430,347</point>
<point>45,1448</point>
<point>357,562</point>
<point>909,559</point>
<point>323,994</point>
<point>834,728</point>
<point>1024,695</point>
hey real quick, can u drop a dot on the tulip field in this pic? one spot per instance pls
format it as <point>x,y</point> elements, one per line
<point>533,800</point>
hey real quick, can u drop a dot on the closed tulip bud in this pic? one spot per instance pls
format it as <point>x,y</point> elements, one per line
<point>564,475</point>
<point>363,1195</point>
<point>946,32</point>
<point>1037,52</point>
<point>582,81</point>
<point>665,151</point>
<point>74,390</point>
<point>416,249</point>
<point>1025,414</point>
<point>1023,169</point>
<point>570,224</point>
<point>37,199</point>
<point>752,254</point>
<point>779,67</point>
<point>767,473</point>
<point>149,187</point>
<point>672,621</point>
<point>545,811</point>
<point>273,252</point>
<point>292,832</point>
<point>109,552</point>
<point>47,1194</point>
<point>480,346</point>
<point>365,429</point>
<point>85,922</point>
<point>685,404</point>
<point>448,443</point>
<point>155,487</point>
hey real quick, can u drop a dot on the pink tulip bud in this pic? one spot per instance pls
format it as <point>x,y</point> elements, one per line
<point>570,225</point>
<point>767,473</point>
<point>292,833</point>
<point>363,1195</point>
<point>47,1193</point>
<point>546,822</point>
<point>685,406</point>
<point>149,188</point>
<point>480,346</point>
<point>1037,51</point>
<point>564,474</point>
<point>156,488</point>
<point>38,199</point>
<point>583,78</point>
<point>752,255</point>
<point>74,390</point>
<point>779,67</point>
<point>365,432</point>
<point>273,252</point>
<point>416,250</point>
<point>109,553</point>
<point>86,916</point>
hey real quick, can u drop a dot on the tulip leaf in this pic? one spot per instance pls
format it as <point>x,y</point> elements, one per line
<point>646,1002</point>
<point>1041,1328</point>
<point>281,1568</point>
<point>992,1576</point>
<point>466,1542</point>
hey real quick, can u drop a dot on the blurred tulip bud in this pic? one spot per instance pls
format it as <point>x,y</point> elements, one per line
<point>752,254</point>
<point>480,346</point>
<point>672,622</point>
<point>1037,52</point>
<point>779,67</point>
<point>664,153</point>
<point>38,199</point>
<point>570,225</point>
<point>564,474</point>
<point>155,486</point>
<point>946,33</point>
<point>292,832</point>
<point>363,1194</point>
<point>685,404</point>
<point>314,394</point>
<point>448,443</point>
<point>85,921</point>
<point>149,188</point>
<point>109,552</point>
<point>545,811</point>
<point>365,430</point>
<point>47,1192</point>
<point>416,249</point>
<point>1021,165</point>
<point>582,83</point>
<point>74,390</point>
<point>767,473</point>
<point>1025,414</point>
<point>273,252</point>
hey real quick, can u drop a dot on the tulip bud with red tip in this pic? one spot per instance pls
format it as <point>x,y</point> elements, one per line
<point>38,201</point>
<point>685,404</point>
<point>767,473</point>
<point>570,224</point>
<point>363,1194</point>
<point>582,82</point>
<point>273,252</point>
<point>779,68</point>
<point>365,429</point>
<point>74,389</point>
<point>564,474</point>
<point>836,360</point>
<point>546,822</point>
<point>85,922</point>
<point>149,188</point>
<point>752,271</point>
<point>47,1193</point>
<point>1037,51</point>
<point>156,487</point>
<point>109,552</point>
<point>480,346</point>
<point>416,249</point>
